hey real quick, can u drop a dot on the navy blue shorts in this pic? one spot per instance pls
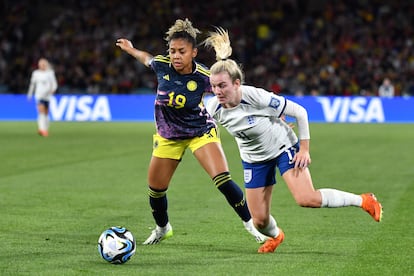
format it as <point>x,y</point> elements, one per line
<point>263,174</point>
<point>44,103</point>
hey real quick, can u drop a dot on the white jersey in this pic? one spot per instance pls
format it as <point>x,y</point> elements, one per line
<point>43,84</point>
<point>255,123</point>
<point>386,91</point>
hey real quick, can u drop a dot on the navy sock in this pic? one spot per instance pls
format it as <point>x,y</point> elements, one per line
<point>159,204</point>
<point>233,194</point>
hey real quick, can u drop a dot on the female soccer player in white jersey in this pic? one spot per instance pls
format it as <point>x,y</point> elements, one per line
<point>43,84</point>
<point>182,122</point>
<point>253,116</point>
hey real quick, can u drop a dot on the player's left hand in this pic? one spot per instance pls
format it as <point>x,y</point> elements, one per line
<point>302,160</point>
<point>124,43</point>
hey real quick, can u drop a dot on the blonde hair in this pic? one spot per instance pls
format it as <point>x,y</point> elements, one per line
<point>220,42</point>
<point>44,64</point>
<point>183,29</point>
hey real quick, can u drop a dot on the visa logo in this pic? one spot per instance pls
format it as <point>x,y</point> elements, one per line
<point>352,109</point>
<point>80,108</point>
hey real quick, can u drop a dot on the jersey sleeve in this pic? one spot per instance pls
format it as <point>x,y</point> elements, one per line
<point>263,99</point>
<point>53,81</point>
<point>31,85</point>
<point>157,61</point>
<point>301,115</point>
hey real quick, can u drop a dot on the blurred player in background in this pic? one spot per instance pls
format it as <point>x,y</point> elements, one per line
<point>182,122</point>
<point>386,89</point>
<point>253,116</point>
<point>43,84</point>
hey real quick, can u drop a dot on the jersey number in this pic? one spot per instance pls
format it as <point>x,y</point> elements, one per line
<point>291,153</point>
<point>176,101</point>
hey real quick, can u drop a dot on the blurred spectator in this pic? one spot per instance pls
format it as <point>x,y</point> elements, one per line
<point>322,47</point>
<point>386,89</point>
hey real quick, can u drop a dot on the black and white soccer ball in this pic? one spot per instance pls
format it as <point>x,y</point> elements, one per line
<point>116,245</point>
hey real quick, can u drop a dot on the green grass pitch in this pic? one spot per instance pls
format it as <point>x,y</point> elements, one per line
<point>57,195</point>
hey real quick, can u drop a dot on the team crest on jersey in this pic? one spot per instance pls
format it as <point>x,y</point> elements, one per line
<point>191,85</point>
<point>247,175</point>
<point>251,120</point>
<point>166,77</point>
<point>274,103</point>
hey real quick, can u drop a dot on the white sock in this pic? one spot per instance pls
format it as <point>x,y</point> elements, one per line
<point>41,121</point>
<point>164,228</point>
<point>271,229</point>
<point>47,122</point>
<point>332,198</point>
<point>260,238</point>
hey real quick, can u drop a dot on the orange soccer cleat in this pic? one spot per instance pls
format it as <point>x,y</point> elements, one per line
<point>272,243</point>
<point>43,133</point>
<point>372,206</point>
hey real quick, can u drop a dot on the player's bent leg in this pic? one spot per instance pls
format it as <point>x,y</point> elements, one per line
<point>157,192</point>
<point>233,194</point>
<point>212,159</point>
<point>159,234</point>
<point>301,187</point>
<point>258,201</point>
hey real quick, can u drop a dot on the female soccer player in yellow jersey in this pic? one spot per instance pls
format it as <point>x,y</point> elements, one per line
<point>253,116</point>
<point>183,122</point>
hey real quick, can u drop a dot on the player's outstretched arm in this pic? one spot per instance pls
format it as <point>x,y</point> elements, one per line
<point>127,46</point>
<point>31,90</point>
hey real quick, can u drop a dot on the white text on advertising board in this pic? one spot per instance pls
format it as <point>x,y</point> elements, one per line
<point>80,108</point>
<point>352,109</point>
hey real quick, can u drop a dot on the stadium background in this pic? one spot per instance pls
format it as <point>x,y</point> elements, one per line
<point>292,47</point>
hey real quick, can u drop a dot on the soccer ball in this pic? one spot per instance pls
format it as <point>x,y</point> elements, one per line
<point>116,245</point>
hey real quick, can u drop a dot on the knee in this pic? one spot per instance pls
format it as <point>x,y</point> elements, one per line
<point>308,201</point>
